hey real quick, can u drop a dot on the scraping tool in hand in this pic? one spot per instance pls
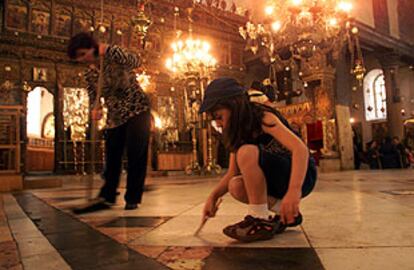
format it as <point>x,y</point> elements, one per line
<point>204,221</point>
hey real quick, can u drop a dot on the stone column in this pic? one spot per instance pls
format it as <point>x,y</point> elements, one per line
<point>390,67</point>
<point>343,102</point>
<point>345,142</point>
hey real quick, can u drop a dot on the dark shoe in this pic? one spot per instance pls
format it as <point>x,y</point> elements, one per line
<point>251,229</point>
<point>280,227</point>
<point>94,205</point>
<point>131,206</point>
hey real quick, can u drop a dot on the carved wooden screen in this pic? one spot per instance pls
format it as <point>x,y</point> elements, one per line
<point>10,139</point>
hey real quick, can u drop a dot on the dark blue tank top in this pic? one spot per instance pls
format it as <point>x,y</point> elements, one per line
<point>272,145</point>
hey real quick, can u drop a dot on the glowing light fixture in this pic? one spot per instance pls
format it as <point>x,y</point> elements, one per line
<point>297,30</point>
<point>190,56</point>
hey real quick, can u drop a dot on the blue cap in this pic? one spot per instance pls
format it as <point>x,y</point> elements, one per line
<point>220,89</point>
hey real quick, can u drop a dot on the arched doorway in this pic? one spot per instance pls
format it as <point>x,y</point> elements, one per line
<point>40,127</point>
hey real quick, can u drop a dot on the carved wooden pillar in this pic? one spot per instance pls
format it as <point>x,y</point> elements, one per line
<point>23,123</point>
<point>52,23</point>
<point>29,17</point>
<point>59,126</point>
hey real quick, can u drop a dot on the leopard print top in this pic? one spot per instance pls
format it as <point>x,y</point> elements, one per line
<point>123,96</point>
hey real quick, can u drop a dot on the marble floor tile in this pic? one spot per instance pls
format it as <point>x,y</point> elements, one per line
<point>371,230</point>
<point>139,221</point>
<point>149,251</point>
<point>124,235</point>
<point>184,264</point>
<point>16,267</point>
<point>401,258</point>
<point>5,234</point>
<point>13,212</point>
<point>188,253</point>
<point>179,231</point>
<point>34,246</point>
<point>165,210</point>
<point>263,258</point>
<point>24,228</point>
<point>50,261</point>
<point>185,258</point>
<point>96,221</point>
<point>9,255</point>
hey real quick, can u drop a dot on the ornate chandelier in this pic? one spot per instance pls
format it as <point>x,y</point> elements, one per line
<point>191,57</point>
<point>295,30</point>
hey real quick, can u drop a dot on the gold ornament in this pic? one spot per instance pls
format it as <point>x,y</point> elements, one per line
<point>141,22</point>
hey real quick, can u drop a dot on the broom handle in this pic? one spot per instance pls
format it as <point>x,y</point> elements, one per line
<point>96,103</point>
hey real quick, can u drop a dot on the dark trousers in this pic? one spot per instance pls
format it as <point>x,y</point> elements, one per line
<point>134,134</point>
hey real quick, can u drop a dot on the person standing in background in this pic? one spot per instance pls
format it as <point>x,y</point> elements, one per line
<point>128,121</point>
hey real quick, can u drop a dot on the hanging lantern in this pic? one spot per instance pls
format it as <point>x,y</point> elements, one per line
<point>359,71</point>
<point>141,22</point>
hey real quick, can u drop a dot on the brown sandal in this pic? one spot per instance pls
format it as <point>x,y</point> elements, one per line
<point>251,229</point>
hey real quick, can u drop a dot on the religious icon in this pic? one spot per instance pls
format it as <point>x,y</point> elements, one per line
<point>17,17</point>
<point>39,74</point>
<point>63,23</point>
<point>40,22</point>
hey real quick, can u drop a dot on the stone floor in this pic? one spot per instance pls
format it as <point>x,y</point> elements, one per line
<point>353,220</point>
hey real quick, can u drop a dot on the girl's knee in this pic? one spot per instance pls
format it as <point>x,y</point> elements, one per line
<point>247,154</point>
